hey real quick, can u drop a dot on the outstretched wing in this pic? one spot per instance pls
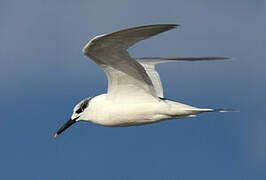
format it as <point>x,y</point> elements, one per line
<point>126,77</point>
<point>149,65</point>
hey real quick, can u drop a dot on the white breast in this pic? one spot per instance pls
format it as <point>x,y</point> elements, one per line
<point>107,113</point>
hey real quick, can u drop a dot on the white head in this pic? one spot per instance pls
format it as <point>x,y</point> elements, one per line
<point>77,115</point>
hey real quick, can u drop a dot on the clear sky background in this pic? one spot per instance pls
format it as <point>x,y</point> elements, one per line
<point>43,74</point>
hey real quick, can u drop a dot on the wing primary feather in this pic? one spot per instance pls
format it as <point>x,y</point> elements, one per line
<point>126,38</point>
<point>203,58</point>
<point>125,75</point>
<point>149,64</point>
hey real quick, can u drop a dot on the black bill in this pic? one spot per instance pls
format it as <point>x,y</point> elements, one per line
<point>65,126</point>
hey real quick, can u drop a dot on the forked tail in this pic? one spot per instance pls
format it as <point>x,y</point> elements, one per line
<point>225,110</point>
<point>214,110</point>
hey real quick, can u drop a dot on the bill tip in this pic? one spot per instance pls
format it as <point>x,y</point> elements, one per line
<point>55,135</point>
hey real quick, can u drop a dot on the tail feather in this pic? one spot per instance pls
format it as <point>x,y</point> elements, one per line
<point>225,110</point>
<point>214,110</point>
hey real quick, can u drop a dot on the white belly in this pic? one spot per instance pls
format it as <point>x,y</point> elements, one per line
<point>108,113</point>
<point>128,114</point>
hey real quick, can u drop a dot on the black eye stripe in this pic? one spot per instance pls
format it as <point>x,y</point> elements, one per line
<point>79,110</point>
<point>83,105</point>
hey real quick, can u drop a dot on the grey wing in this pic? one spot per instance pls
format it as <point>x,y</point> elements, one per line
<point>154,76</point>
<point>149,65</point>
<point>126,77</point>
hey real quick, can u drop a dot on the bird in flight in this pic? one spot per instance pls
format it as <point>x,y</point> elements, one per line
<point>135,93</point>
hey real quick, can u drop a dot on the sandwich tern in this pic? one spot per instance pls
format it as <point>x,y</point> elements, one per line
<point>135,93</point>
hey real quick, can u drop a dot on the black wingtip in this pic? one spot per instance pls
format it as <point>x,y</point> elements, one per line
<point>226,58</point>
<point>171,26</point>
<point>166,26</point>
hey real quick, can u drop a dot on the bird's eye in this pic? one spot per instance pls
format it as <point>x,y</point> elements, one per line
<point>79,110</point>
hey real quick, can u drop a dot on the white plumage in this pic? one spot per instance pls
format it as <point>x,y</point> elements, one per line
<point>135,93</point>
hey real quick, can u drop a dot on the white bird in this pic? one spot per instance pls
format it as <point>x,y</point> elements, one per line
<point>135,93</point>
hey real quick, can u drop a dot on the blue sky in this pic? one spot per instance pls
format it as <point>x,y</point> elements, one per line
<point>43,74</point>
